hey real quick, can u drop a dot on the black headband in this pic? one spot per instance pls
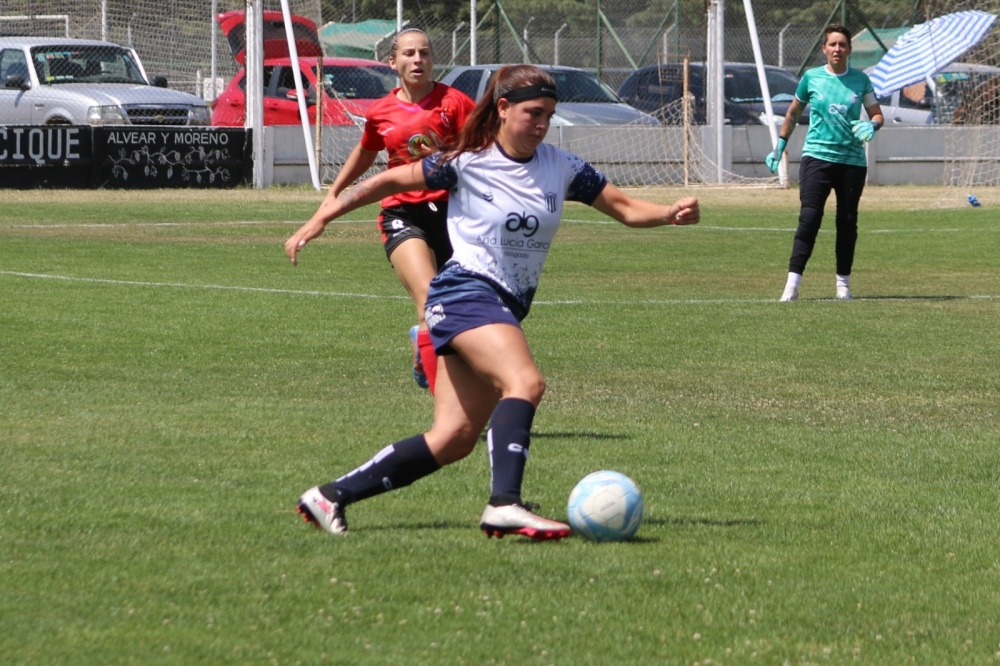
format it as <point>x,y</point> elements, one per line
<point>530,92</point>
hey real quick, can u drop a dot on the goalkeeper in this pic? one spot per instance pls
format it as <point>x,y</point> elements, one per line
<point>833,157</point>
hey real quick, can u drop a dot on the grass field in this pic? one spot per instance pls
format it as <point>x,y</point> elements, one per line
<point>821,478</point>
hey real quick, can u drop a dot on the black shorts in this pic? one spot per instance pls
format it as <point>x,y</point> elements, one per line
<point>427,221</point>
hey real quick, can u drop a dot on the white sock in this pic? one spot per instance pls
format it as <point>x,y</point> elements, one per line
<point>843,281</point>
<point>794,280</point>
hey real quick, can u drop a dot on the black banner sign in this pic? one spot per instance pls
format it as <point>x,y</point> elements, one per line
<point>40,146</point>
<point>56,156</point>
<point>163,157</point>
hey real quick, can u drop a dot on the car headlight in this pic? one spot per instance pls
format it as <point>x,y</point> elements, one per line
<point>200,115</point>
<point>106,115</point>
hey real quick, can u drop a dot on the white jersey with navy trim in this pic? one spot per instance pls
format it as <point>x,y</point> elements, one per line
<point>503,213</point>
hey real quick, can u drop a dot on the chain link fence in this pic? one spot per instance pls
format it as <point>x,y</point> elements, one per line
<point>181,41</point>
<point>179,38</point>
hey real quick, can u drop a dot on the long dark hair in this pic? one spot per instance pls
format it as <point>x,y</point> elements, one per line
<point>483,124</point>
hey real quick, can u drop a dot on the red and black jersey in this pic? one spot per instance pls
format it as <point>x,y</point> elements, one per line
<point>400,127</point>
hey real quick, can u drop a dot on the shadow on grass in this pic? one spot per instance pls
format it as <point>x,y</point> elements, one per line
<point>570,435</point>
<point>735,522</point>
<point>888,297</point>
<point>577,435</point>
<point>891,297</point>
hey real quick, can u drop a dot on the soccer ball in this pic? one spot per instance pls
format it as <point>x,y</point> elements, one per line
<point>605,506</point>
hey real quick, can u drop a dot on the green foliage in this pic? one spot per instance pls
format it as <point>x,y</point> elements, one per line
<point>820,477</point>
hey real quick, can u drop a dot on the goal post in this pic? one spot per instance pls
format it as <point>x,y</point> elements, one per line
<point>38,24</point>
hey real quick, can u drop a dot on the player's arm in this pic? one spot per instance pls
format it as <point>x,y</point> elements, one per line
<point>792,115</point>
<point>356,164</point>
<point>391,181</point>
<point>634,212</point>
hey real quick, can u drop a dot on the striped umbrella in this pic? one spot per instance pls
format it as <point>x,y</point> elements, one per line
<point>929,47</point>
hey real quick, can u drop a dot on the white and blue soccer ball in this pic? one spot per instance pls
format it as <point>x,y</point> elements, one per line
<point>605,506</point>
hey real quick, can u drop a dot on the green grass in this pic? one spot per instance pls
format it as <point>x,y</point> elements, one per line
<point>821,478</point>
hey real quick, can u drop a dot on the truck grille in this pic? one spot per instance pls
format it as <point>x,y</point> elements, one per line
<point>157,114</point>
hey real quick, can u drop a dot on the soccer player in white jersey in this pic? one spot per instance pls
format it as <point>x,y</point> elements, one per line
<point>507,191</point>
<point>833,157</point>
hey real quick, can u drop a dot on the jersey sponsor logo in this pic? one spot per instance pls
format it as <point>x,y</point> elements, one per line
<point>528,224</point>
<point>838,109</point>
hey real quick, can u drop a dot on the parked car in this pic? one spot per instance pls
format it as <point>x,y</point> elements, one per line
<point>657,89</point>
<point>51,81</point>
<point>955,94</point>
<point>583,98</point>
<point>348,86</point>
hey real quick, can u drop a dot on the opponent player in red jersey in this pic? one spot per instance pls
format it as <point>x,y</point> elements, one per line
<point>411,122</point>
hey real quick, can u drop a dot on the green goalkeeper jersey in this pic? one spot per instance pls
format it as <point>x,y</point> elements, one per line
<point>835,101</point>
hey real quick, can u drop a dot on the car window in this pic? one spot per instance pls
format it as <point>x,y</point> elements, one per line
<point>57,64</point>
<point>268,75</point>
<point>670,82</point>
<point>355,82</point>
<point>743,85</point>
<point>661,85</point>
<point>284,82</point>
<point>583,87</point>
<point>13,63</point>
<point>468,82</point>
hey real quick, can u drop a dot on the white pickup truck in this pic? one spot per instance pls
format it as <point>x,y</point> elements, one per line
<point>60,81</point>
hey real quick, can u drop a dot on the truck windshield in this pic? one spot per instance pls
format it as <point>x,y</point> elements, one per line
<point>57,64</point>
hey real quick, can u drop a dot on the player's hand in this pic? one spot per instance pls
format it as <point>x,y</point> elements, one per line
<point>863,130</point>
<point>298,240</point>
<point>688,211</point>
<point>772,161</point>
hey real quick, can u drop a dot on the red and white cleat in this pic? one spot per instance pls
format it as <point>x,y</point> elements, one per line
<point>499,521</point>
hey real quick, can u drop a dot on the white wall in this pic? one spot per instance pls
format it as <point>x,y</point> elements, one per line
<point>897,155</point>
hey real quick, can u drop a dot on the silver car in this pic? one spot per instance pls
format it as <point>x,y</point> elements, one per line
<point>583,98</point>
<point>52,81</point>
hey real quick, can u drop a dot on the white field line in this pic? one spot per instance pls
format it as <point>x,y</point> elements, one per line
<point>183,285</point>
<point>366,221</point>
<point>236,223</point>
<point>336,294</point>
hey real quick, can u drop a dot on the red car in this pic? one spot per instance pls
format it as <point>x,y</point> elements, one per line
<point>349,85</point>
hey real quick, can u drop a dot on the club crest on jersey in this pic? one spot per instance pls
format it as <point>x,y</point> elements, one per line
<point>550,201</point>
<point>415,142</point>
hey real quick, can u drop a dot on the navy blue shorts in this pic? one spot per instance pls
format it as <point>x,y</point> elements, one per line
<point>459,301</point>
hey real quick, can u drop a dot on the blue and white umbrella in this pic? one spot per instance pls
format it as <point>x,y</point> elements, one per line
<point>927,48</point>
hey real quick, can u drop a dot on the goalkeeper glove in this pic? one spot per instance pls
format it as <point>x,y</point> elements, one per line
<point>773,158</point>
<point>863,130</point>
